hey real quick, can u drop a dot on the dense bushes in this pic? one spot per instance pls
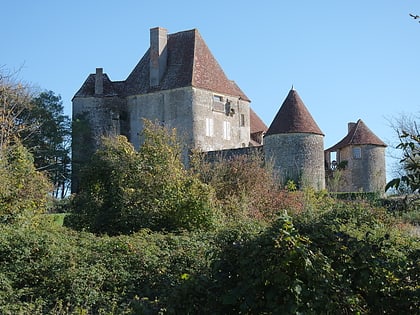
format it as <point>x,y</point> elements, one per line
<point>221,239</point>
<point>122,190</point>
<point>23,190</point>
<point>344,261</point>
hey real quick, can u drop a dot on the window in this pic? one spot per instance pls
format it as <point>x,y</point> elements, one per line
<point>217,98</point>
<point>357,153</point>
<point>242,120</point>
<point>226,130</point>
<point>209,127</point>
<point>218,104</point>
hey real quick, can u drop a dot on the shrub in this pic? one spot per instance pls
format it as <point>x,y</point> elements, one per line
<point>244,185</point>
<point>375,264</point>
<point>122,191</point>
<point>23,190</point>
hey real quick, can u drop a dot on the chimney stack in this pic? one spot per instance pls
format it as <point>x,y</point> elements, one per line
<point>99,81</point>
<point>350,126</point>
<point>158,54</point>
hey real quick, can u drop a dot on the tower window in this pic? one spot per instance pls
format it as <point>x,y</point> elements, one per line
<point>357,153</point>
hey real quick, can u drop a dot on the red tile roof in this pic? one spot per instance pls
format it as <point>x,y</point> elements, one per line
<point>293,117</point>
<point>359,134</point>
<point>190,63</point>
<point>256,124</point>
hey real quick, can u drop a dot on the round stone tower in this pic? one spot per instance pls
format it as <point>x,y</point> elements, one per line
<point>295,145</point>
<point>363,155</point>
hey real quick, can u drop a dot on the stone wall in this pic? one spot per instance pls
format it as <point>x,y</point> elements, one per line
<point>93,118</point>
<point>213,113</point>
<point>299,157</point>
<point>201,121</point>
<point>171,108</point>
<point>367,173</point>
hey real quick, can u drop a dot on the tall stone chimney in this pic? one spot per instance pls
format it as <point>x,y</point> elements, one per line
<point>99,82</point>
<point>158,54</point>
<point>350,126</point>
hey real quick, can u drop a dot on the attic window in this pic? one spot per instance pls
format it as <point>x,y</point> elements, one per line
<point>357,153</point>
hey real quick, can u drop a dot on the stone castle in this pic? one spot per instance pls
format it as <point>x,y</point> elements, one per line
<point>180,84</point>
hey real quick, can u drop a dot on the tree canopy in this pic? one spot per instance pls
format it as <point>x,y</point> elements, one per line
<point>122,190</point>
<point>50,141</point>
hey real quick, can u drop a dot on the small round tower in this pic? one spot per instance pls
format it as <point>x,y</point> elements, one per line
<point>363,153</point>
<point>295,145</point>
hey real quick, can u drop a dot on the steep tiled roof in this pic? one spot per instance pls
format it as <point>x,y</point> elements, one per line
<point>189,63</point>
<point>207,73</point>
<point>293,117</point>
<point>256,124</point>
<point>358,134</point>
<point>110,88</point>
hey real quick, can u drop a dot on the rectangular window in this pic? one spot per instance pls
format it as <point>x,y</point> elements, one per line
<point>226,130</point>
<point>209,127</point>
<point>357,153</point>
<point>217,98</point>
<point>218,103</point>
<point>242,120</point>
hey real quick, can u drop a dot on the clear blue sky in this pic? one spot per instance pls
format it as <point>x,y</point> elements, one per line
<point>347,59</point>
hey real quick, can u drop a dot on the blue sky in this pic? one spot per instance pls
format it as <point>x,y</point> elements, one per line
<point>347,59</point>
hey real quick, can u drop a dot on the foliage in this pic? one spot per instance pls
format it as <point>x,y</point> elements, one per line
<point>23,190</point>
<point>14,99</point>
<point>410,145</point>
<point>244,185</point>
<point>345,260</point>
<point>376,266</point>
<point>122,191</point>
<point>50,141</point>
<point>271,272</point>
<point>59,271</point>
<point>39,124</point>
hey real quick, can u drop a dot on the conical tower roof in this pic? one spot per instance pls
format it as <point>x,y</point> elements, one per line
<point>293,117</point>
<point>358,134</point>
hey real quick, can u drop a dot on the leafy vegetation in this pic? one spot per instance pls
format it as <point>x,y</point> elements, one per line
<point>36,121</point>
<point>50,141</point>
<point>23,190</point>
<point>147,236</point>
<point>123,190</point>
<point>349,259</point>
<point>410,145</point>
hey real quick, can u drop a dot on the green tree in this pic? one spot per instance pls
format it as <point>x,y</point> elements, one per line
<point>23,190</point>
<point>410,161</point>
<point>122,190</point>
<point>50,141</point>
